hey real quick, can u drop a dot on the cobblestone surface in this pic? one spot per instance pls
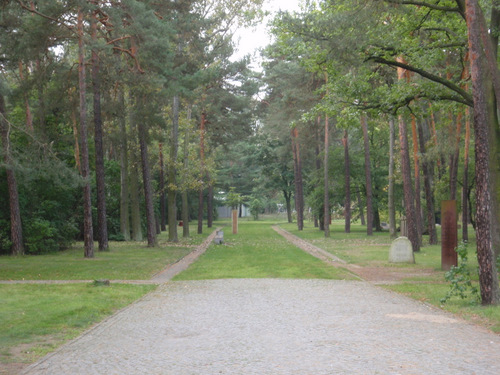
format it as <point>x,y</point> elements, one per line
<point>277,327</point>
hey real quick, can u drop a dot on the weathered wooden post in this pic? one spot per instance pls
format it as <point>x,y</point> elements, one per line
<point>235,221</point>
<point>404,227</point>
<point>449,234</point>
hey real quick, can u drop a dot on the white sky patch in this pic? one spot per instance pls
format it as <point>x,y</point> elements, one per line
<point>250,40</point>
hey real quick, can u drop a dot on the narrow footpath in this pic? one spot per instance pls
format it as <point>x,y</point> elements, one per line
<point>276,326</point>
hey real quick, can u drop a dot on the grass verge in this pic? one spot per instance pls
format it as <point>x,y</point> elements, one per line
<point>36,319</point>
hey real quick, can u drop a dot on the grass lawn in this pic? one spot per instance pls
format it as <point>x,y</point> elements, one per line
<point>124,261</point>
<point>36,319</point>
<point>257,251</point>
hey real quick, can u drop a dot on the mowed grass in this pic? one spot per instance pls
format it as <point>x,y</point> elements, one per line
<point>124,261</point>
<point>257,251</point>
<point>358,248</point>
<point>35,319</point>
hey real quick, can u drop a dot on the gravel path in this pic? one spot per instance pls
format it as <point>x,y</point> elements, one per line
<point>277,327</point>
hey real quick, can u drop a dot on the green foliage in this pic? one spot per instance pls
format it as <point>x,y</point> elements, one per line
<point>256,207</point>
<point>233,198</point>
<point>460,278</point>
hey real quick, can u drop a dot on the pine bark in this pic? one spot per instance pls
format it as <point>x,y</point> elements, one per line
<point>429,196</point>
<point>409,198</point>
<point>368,178</point>
<point>299,200</point>
<point>210,206</point>
<point>392,207</point>
<point>288,200</point>
<point>326,184</point>
<point>148,190</point>
<point>465,182</point>
<point>202,160</point>
<point>124,175</point>
<point>102,226</point>
<point>172,173</point>
<point>135,206</point>
<point>318,159</point>
<point>360,206</point>
<point>484,117</point>
<point>347,172</point>
<point>185,200</point>
<point>84,148</point>
<point>163,203</point>
<point>416,181</point>
<point>16,229</point>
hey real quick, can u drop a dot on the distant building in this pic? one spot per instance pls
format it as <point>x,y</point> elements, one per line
<point>224,212</point>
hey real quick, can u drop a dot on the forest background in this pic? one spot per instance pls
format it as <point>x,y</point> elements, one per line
<point>119,119</point>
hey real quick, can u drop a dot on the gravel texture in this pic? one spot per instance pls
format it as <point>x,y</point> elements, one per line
<point>270,326</point>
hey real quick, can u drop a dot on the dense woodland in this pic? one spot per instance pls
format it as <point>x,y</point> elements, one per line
<point>120,118</point>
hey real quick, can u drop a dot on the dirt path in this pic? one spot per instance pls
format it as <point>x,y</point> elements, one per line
<point>374,275</point>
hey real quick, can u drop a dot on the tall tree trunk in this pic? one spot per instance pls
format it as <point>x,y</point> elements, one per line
<point>465,187</point>
<point>200,210</point>
<point>88,233</point>
<point>202,160</point>
<point>299,206</point>
<point>326,184</point>
<point>416,170</point>
<point>16,229</point>
<point>102,225</point>
<point>124,175</point>
<point>163,203</point>
<point>465,181</point>
<point>347,172</point>
<point>135,207</point>
<point>409,198</point>
<point>360,205</point>
<point>484,117</point>
<point>392,207</point>
<point>185,201</point>
<point>429,196</point>
<point>210,205</point>
<point>172,173</point>
<point>368,177</point>
<point>288,200</point>
<point>185,214</point>
<point>76,152</point>
<point>318,159</point>
<point>146,178</point>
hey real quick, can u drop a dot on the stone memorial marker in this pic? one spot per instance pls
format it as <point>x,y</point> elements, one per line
<point>401,251</point>
<point>219,237</point>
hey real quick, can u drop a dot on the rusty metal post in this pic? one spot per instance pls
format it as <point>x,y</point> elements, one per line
<point>449,234</point>
<point>235,221</point>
